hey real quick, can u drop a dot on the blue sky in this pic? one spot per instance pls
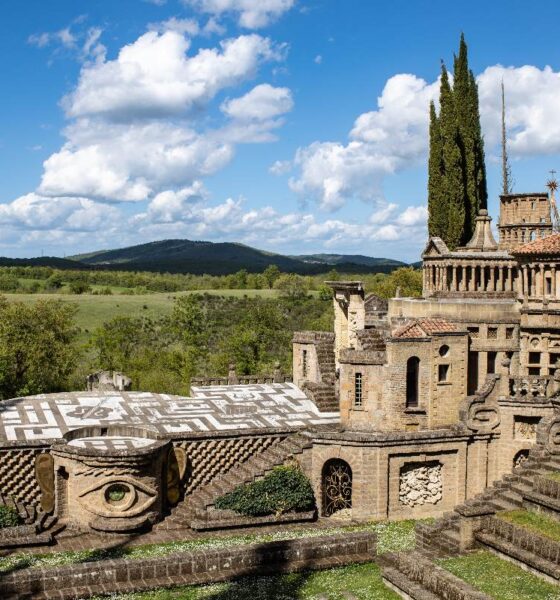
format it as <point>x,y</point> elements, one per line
<point>294,126</point>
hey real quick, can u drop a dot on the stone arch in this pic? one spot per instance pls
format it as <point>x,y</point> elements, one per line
<point>520,457</point>
<point>412,381</point>
<point>336,486</point>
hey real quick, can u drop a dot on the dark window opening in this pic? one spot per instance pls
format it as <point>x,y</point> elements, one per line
<point>472,378</point>
<point>491,363</point>
<point>358,390</point>
<point>304,363</point>
<point>534,371</point>
<point>534,358</point>
<point>443,373</point>
<point>509,333</point>
<point>412,377</point>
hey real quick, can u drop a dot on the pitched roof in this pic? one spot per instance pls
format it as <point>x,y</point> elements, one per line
<point>420,328</point>
<point>546,245</point>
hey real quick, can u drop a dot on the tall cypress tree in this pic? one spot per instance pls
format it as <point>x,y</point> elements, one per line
<point>452,177</point>
<point>462,176</point>
<point>437,201</point>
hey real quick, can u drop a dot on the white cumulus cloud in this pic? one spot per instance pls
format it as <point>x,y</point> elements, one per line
<point>154,76</point>
<point>382,141</point>
<point>251,14</point>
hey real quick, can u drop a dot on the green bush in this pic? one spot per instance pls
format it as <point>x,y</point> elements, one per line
<point>8,517</point>
<point>285,489</point>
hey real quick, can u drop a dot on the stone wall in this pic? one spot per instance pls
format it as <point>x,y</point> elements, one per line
<point>195,567</point>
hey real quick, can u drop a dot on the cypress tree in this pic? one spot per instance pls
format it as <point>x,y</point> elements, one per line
<point>459,189</point>
<point>437,201</point>
<point>452,178</point>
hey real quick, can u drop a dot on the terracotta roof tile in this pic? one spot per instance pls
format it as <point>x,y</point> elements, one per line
<point>420,328</point>
<point>546,245</point>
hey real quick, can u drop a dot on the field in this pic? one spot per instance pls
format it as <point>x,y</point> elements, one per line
<point>94,310</point>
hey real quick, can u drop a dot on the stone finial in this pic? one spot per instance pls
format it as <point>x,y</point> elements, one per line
<point>277,373</point>
<point>483,238</point>
<point>232,375</point>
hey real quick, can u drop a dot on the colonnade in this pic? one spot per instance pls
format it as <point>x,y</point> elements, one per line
<point>465,277</point>
<point>540,280</point>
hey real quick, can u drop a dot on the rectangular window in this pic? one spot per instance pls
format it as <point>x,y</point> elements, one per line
<point>358,390</point>
<point>491,363</point>
<point>534,371</point>
<point>534,358</point>
<point>548,286</point>
<point>492,333</point>
<point>443,373</point>
<point>304,363</point>
<point>509,333</point>
<point>473,331</point>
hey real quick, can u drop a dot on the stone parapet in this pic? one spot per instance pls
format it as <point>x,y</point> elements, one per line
<point>414,576</point>
<point>195,567</point>
<point>360,357</point>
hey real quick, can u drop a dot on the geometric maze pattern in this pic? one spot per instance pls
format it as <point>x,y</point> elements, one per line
<point>211,457</point>
<point>47,417</point>
<point>17,476</point>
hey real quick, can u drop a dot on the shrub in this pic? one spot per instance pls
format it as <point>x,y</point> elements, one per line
<point>285,489</point>
<point>8,517</point>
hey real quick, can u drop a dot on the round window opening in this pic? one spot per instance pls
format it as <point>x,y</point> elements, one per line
<point>444,350</point>
<point>116,494</point>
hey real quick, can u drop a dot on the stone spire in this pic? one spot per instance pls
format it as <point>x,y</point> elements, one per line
<point>482,239</point>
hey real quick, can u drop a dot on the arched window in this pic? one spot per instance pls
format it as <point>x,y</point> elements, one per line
<point>336,486</point>
<point>412,377</point>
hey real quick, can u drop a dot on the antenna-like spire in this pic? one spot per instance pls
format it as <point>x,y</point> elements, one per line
<point>552,185</point>
<point>507,186</point>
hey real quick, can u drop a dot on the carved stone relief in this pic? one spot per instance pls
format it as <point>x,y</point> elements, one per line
<point>421,483</point>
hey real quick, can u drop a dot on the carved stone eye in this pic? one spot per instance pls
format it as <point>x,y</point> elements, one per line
<point>118,497</point>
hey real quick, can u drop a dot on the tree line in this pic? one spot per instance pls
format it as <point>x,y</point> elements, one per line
<point>42,351</point>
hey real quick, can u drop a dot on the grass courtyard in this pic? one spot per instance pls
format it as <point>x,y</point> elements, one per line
<point>499,578</point>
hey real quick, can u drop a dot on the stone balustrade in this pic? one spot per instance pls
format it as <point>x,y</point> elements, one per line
<point>532,387</point>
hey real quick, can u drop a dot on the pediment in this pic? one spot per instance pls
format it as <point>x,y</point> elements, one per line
<point>435,247</point>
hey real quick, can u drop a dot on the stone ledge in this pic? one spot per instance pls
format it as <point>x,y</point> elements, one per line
<point>195,567</point>
<point>415,569</point>
<point>230,521</point>
<point>510,550</point>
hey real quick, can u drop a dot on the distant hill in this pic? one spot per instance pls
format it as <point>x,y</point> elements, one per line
<point>355,259</point>
<point>186,256</point>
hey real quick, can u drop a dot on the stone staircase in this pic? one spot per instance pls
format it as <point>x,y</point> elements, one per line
<point>474,526</point>
<point>444,536</point>
<point>193,511</point>
<point>322,394</point>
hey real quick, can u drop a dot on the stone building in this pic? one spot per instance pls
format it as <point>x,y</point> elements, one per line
<point>441,395</point>
<point>407,409</point>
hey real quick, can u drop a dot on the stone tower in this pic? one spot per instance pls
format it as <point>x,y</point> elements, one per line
<point>523,218</point>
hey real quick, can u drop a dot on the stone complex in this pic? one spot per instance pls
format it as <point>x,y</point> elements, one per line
<point>441,395</point>
<point>408,409</point>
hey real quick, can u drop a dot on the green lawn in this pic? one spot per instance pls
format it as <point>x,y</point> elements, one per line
<point>498,578</point>
<point>555,475</point>
<point>94,310</point>
<point>363,581</point>
<point>393,536</point>
<point>537,522</point>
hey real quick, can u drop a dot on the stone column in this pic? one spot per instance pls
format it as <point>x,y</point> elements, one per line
<point>492,279</point>
<point>462,287</point>
<point>453,284</point>
<point>524,291</point>
<point>543,280</point>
